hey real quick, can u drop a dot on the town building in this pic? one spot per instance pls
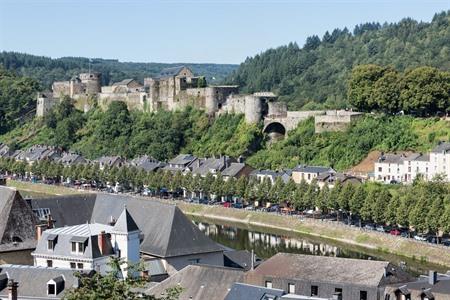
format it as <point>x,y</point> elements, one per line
<point>89,247</point>
<point>180,163</point>
<point>146,163</point>
<point>110,162</point>
<point>68,159</point>
<point>404,168</point>
<point>38,153</point>
<point>308,173</point>
<point>327,277</point>
<point>330,178</point>
<point>262,175</point>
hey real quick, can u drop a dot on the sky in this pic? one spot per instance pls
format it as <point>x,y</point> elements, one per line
<point>191,31</point>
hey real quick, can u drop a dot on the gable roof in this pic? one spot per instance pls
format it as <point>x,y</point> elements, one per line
<point>125,223</point>
<point>147,163</point>
<point>200,282</point>
<point>170,72</point>
<point>17,221</point>
<point>167,231</point>
<point>441,147</point>
<point>312,169</point>
<point>338,270</point>
<point>33,280</point>
<point>125,82</point>
<point>233,169</point>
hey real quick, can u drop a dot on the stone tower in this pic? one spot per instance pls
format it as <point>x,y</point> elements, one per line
<point>92,82</point>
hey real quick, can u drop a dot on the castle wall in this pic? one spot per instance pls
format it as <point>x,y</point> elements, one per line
<point>335,120</point>
<point>234,104</point>
<point>277,109</point>
<point>45,105</point>
<point>253,109</point>
<point>61,88</point>
<point>92,82</point>
<point>134,100</point>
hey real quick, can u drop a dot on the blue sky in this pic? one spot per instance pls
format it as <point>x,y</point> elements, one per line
<point>218,31</point>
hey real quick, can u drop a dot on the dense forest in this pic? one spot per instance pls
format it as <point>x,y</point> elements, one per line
<point>45,70</point>
<point>316,75</point>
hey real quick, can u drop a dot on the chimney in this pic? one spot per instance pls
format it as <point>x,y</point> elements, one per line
<point>432,277</point>
<point>50,222</point>
<point>198,162</point>
<point>39,230</point>
<point>112,221</point>
<point>102,242</point>
<point>12,289</point>
<point>253,260</point>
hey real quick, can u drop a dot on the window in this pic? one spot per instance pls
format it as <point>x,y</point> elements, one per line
<point>50,245</point>
<point>268,284</point>
<point>74,247</point>
<point>194,261</point>
<point>380,169</point>
<point>79,265</point>
<point>314,290</point>
<point>80,247</point>
<point>49,263</point>
<point>338,291</point>
<point>72,265</point>
<point>51,289</point>
<point>362,295</point>
<point>291,288</point>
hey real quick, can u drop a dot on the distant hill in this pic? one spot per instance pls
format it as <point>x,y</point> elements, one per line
<point>46,70</point>
<point>316,74</point>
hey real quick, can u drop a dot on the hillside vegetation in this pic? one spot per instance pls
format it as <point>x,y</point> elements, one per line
<point>316,75</point>
<point>45,70</point>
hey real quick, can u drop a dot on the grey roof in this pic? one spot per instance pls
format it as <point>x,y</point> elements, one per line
<point>125,82</point>
<point>125,223</point>
<point>17,221</point>
<point>33,280</point>
<point>338,270</point>
<point>39,152</point>
<point>233,169</point>
<point>242,291</point>
<point>200,282</point>
<point>147,163</point>
<point>84,233</point>
<point>312,169</point>
<point>203,166</point>
<point>182,159</point>
<point>442,286</point>
<point>71,158</point>
<point>109,160</point>
<point>417,157</point>
<point>167,231</point>
<point>170,72</point>
<point>391,158</point>
<point>442,147</point>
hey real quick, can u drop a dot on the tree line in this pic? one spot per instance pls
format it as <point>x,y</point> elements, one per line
<point>422,91</point>
<point>315,76</point>
<point>424,206</point>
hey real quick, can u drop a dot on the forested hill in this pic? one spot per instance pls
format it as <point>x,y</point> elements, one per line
<point>318,72</point>
<point>46,70</point>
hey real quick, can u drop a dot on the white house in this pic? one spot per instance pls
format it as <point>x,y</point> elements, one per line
<point>90,246</point>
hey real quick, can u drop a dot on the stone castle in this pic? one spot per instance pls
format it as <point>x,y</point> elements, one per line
<point>177,87</point>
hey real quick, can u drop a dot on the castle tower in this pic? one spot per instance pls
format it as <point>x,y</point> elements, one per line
<point>253,109</point>
<point>92,82</point>
<point>125,237</point>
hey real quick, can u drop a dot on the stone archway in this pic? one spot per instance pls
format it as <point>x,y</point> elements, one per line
<point>275,130</point>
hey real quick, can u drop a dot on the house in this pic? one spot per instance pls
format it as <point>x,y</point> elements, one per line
<point>240,259</point>
<point>200,282</point>
<point>325,277</point>
<point>126,86</point>
<point>330,179</point>
<point>89,247</point>
<point>38,153</point>
<point>5,151</point>
<point>203,166</point>
<point>440,160</point>
<point>433,287</point>
<point>236,170</point>
<point>69,159</point>
<point>17,222</point>
<point>31,282</point>
<point>110,162</point>
<point>168,235</point>
<point>146,163</point>
<point>261,175</point>
<point>180,163</point>
<point>242,291</point>
<point>308,173</point>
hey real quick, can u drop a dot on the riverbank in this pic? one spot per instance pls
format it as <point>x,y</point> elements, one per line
<point>330,230</point>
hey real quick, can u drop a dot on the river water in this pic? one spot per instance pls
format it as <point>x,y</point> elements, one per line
<point>267,242</point>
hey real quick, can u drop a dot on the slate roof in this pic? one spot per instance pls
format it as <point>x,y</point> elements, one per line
<point>182,159</point>
<point>33,280</point>
<point>417,157</point>
<point>391,158</point>
<point>147,163</point>
<point>334,270</point>
<point>125,82</point>
<point>17,221</point>
<point>109,160</point>
<point>442,286</point>
<point>233,169</point>
<point>39,152</point>
<point>170,72</point>
<point>200,282</point>
<point>442,147</point>
<point>63,237</point>
<point>125,223</point>
<point>203,166</point>
<point>240,259</point>
<point>70,158</point>
<point>167,231</point>
<point>312,169</point>
<point>242,291</point>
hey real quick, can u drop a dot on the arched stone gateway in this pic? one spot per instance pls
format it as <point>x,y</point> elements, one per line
<point>275,130</point>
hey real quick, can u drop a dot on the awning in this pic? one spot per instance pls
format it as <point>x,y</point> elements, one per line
<point>79,239</point>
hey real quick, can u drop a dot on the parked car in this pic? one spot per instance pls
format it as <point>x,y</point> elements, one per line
<point>405,234</point>
<point>380,228</point>
<point>226,204</point>
<point>237,205</point>
<point>420,237</point>
<point>369,226</point>
<point>395,232</point>
<point>250,207</point>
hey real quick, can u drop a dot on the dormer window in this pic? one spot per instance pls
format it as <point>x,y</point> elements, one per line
<point>51,289</point>
<point>51,241</point>
<point>78,244</point>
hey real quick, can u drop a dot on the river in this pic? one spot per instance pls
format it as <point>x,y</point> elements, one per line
<point>267,242</point>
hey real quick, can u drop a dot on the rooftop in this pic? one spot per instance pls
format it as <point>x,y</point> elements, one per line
<point>312,169</point>
<point>441,147</point>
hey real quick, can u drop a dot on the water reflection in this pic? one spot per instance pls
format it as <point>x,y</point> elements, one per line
<point>266,244</point>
